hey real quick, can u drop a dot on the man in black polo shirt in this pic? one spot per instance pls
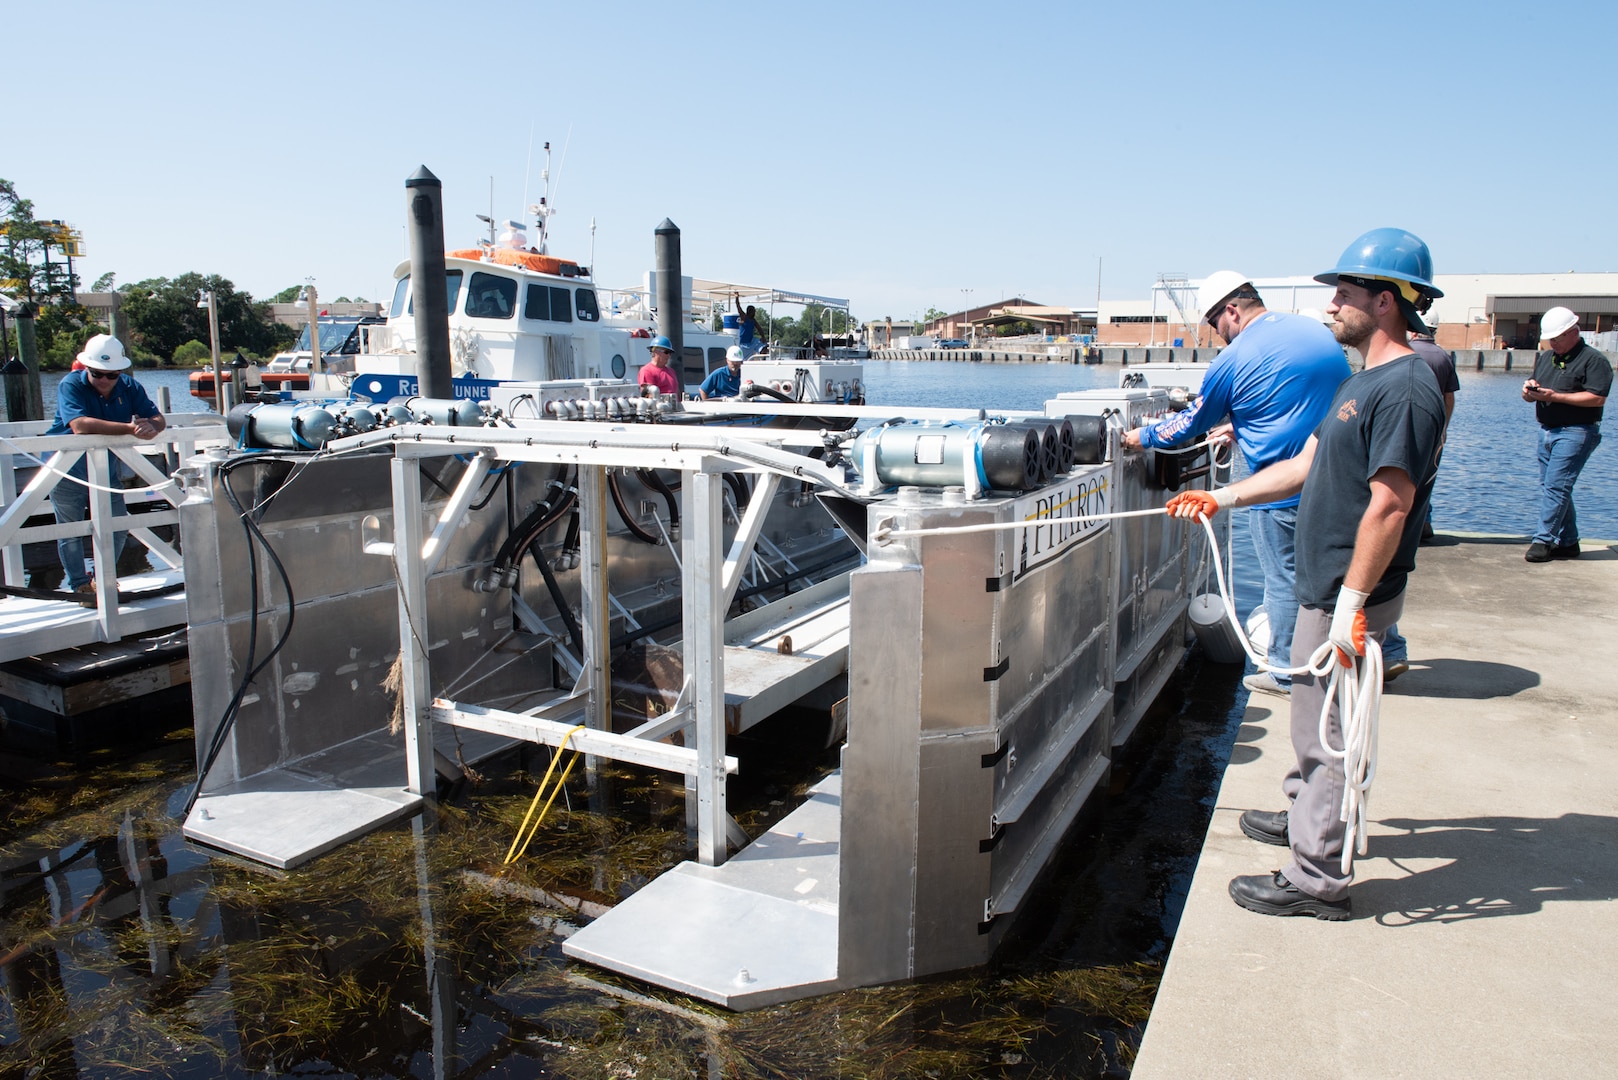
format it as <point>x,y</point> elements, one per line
<point>1569,389</point>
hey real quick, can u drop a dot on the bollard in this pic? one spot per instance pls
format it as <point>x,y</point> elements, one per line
<point>23,400</point>
<point>424,201</point>
<point>670,298</point>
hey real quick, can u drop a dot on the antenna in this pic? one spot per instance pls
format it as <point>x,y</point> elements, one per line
<point>542,210</point>
<point>560,166</point>
<point>528,167</point>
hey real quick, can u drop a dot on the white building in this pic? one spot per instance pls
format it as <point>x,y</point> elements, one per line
<point>1476,310</point>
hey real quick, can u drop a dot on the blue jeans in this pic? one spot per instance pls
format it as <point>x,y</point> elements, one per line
<point>1273,531</point>
<point>71,502</point>
<point>1395,649</point>
<point>1562,454</point>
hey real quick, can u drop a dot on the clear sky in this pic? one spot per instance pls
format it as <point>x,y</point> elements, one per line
<point>892,154</point>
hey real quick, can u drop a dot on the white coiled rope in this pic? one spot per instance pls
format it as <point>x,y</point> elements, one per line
<point>1357,688</point>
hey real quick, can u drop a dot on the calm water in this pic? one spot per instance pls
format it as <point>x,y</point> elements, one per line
<point>1488,482</point>
<point>124,952</point>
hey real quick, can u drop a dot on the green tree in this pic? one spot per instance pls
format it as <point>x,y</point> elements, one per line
<point>105,283</point>
<point>163,315</point>
<point>192,352</point>
<point>286,295</point>
<point>931,315</point>
<point>28,272</point>
<point>1020,328</point>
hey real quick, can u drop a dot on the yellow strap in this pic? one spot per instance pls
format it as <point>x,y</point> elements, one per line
<point>512,854</point>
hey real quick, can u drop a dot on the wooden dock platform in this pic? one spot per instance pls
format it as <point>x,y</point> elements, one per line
<point>1485,933</point>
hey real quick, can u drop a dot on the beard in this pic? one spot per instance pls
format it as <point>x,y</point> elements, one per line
<point>1352,327</point>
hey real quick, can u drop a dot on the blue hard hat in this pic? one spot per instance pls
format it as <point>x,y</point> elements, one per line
<point>662,343</point>
<point>1391,254</point>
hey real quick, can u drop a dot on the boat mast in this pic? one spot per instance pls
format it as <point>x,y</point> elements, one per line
<point>542,210</point>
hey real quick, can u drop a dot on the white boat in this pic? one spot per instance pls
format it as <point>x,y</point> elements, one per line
<point>518,315</point>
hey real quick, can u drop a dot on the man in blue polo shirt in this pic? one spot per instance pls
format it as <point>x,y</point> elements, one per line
<point>97,400</point>
<point>726,381</point>
<point>1275,380</point>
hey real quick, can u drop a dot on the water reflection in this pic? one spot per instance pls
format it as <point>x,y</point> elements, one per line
<point>413,952</point>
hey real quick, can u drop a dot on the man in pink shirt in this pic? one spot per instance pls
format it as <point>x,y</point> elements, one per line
<point>658,373</point>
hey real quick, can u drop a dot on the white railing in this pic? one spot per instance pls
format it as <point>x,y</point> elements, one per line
<point>42,460</point>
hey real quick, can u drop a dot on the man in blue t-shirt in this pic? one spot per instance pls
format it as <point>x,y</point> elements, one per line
<point>97,400</point>
<point>747,335</point>
<point>1275,381</point>
<point>726,381</point>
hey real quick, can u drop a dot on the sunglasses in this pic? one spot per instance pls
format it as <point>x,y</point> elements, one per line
<point>98,375</point>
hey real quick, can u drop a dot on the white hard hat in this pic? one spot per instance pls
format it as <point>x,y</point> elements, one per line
<point>1557,320</point>
<point>104,353</point>
<point>1218,286</point>
<point>735,355</point>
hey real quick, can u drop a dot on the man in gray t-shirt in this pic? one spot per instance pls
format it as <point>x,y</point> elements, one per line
<point>1363,478</point>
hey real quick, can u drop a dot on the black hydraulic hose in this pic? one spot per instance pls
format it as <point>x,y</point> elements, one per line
<point>251,671</point>
<point>630,523</point>
<point>504,475</point>
<point>739,489</point>
<point>510,553</point>
<point>531,538</point>
<point>760,388</point>
<point>558,600</point>
<point>571,541</point>
<point>650,478</point>
<point>437,483</point>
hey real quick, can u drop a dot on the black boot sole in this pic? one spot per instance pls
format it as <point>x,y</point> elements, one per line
<point>1306,905</point>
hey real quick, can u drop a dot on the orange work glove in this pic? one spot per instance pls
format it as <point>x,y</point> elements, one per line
<point>1348,625</point>
<point>1200,504</point>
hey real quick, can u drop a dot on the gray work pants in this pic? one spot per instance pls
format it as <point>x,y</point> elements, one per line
<point>1315,785</point>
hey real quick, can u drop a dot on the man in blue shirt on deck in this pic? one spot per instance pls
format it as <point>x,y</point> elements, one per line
<point>1275,380</point>
<point>726,381</point>
<point>98,400</point>
<point>747,335</point>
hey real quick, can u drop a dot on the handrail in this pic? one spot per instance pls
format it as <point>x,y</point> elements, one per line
<point>24,445</point>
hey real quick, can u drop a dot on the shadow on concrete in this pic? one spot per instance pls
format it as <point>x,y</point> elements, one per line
<point>1457,539</point>
<point>1496,866</point>
<point>1245,751</point>
<point>1471,680</point>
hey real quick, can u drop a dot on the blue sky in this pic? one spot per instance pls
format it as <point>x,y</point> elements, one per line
<point>893,154</point>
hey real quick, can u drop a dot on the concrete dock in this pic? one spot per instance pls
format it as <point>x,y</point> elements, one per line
<point>1484,939</point>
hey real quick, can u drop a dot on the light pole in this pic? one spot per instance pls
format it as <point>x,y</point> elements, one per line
<point>966,312</point>
<point>210,301</point>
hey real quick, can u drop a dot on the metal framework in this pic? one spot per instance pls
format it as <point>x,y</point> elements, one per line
<point>710,573</point>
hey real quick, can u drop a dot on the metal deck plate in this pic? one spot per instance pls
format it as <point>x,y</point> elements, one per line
<point>761,678</point>
<point>31,627</point>
<point>287,816</point>
<point>759,930</point>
